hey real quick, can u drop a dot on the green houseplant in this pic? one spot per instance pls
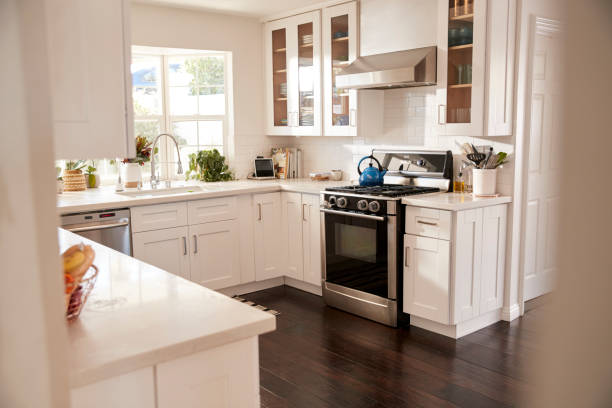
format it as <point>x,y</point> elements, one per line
<point>208,165</point>
<point>93,179</point>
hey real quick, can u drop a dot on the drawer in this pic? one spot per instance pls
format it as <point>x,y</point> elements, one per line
<point>212,209</point>
<point>154,217</point>
<point>427,222</point>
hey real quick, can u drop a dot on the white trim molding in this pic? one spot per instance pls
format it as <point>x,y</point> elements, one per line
<point>510,313</point>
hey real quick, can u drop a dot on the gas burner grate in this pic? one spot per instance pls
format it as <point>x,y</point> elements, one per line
<point>387,190</point>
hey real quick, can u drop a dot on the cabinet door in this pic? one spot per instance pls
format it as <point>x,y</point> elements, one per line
<point>426,278</point>
<point>215,254</point>
<point>91,87</point>
<point>270,246</point>
<point>467,267</point>
<point>311,238</point>
<point>460,94</point>
<point>277,83</point>
<point>340,39</point>
<point>167,249</point>
<point>292,234</point>
<point>493,258</point>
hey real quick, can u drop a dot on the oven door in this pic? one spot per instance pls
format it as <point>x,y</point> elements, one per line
<point>359,252</point>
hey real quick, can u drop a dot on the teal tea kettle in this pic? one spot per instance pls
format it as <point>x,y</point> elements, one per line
<point>371,176</point>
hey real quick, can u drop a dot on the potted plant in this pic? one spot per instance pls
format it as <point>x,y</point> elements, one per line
<point>132,176</point>
<point>93,179</point>
<point>208,165</point>
<point>73,177</point>
<point>60,181</point>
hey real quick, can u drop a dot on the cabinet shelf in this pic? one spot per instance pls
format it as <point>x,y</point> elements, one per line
<point>309,45</point>
<point>280,50</point>
<point>459,86</point>
<point>462,17</point>
<point>280,71</point>
<point>281,99</point>
<point>461,47</point>
<point>341,39</point>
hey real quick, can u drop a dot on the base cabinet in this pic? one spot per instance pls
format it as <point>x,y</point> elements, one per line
<point>270,248</point>
<point>167,249</point>
<point>311,238</point>
<point>457,282</point>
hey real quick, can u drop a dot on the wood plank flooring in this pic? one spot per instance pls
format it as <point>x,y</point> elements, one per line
<point>323,357</point>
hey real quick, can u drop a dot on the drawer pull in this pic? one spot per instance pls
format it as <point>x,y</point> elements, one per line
<point>406,262</point>
<point>434,224</point>
<point>184,245</point>
<point>195,244</point>
<point>259,218</point>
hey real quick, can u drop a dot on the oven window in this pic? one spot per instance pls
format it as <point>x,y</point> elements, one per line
<point>357,242</point>
<point>356,253</point>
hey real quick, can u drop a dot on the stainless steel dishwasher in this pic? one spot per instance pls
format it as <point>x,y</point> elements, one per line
<point>110,228</point>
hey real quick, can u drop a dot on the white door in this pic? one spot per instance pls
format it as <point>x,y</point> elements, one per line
<point>89,73</point>
<point>493,258</point>
<point>340,40</point>
<point>167,249</point>
<point>426,278</point>
<point>467,267</point>
<point>292,234</point>
<point>311,238</point>
<point>215,254</point>
<point>542,135</point>
<point>270,246</point>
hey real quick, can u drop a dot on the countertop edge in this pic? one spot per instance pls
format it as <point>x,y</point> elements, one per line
<point>172,352</point>
<point>485,202</point>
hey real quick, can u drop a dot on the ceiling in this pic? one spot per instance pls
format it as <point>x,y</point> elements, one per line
<point>252,8</point>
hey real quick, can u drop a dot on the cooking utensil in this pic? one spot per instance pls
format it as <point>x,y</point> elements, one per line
<point>486,160</point>
<point>476,158</point>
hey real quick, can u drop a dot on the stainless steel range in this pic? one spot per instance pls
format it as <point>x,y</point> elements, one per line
<point>363,227</point>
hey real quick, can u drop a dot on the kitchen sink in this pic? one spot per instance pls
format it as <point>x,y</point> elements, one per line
<point>149,192</point>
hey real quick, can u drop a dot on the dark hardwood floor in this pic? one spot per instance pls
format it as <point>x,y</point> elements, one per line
<point>323,357</point>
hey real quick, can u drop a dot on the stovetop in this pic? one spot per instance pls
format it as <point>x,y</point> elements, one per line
<point>386,190</point>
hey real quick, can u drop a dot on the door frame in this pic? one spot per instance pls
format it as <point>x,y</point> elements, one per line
<point>535,22</point>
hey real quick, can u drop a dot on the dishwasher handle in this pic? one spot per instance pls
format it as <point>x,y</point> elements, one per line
<point>98,227</point>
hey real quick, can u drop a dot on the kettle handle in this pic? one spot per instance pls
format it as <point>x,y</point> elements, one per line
<point>368,157</point>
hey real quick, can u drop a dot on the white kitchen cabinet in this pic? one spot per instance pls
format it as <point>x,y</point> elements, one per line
<point>427,278</point>
<point>215,254</point>
<point>159,216</point>
<point>493,258</point>
<point>311,238</point>
<point>133,389</point>
<point>467,264</point>
<point>292,232</point>
<point>478,103</point>
<point>167,249</point>
<point>89,60</point>
<point>340,46</point>
<point>293,75</point>
<point>270,245</point>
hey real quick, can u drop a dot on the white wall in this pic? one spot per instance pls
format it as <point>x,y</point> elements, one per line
<point>159,26</point>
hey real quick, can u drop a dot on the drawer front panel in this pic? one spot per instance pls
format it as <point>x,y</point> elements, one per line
<point>213,209</point>
<point>427,222</point>
<point>154,217</point>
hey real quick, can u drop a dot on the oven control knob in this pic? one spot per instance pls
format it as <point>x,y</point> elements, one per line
<point>362,205</point>
<point>331,201</point>
<point>341,202</point>
<point>374,206</point>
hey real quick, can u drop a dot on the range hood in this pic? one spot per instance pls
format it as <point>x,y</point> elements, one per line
<point>400,69</point>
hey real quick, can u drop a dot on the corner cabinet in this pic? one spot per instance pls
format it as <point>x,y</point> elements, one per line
<point>340,40</point>
<point>293,75</point>
<point>88,44</point>
<point>475,67</point>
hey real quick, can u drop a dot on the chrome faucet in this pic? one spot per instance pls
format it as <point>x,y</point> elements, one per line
<point>154,179</point>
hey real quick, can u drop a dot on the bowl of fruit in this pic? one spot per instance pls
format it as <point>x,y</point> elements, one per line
<point>79,277</point>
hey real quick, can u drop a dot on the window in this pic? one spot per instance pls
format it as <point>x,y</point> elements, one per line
<point>183,93</point>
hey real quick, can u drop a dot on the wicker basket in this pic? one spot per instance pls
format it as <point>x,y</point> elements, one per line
<point>76,298</point>
<point>74,180</point>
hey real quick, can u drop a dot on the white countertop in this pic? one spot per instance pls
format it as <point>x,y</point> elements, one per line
<point>138,315</point>
<point>453,201</point>
<point>104,198</point>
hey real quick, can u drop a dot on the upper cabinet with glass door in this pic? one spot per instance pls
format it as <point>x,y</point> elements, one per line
<point>293,73</point>
<point>340,39</point>
<point>475,67</point>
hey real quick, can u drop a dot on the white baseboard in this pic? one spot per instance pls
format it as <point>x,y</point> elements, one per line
<point>305,286</point>
<point>461,329</point>
<point>510,313</point>
<point>253,286</point>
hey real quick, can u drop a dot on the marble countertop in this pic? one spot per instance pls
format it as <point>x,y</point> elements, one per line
<point>453,201</point>
<point>138,315</point>
<point>105,197</point>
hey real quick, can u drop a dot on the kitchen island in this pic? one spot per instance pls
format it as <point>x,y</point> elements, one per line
<point>148,338</point>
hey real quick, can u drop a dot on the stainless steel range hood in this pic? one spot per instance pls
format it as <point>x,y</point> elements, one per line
<point>399,69</point>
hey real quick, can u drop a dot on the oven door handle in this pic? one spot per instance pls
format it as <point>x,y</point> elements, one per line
<point>97,227</point>
<point>351,214</point>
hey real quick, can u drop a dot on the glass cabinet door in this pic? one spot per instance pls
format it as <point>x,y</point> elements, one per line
<point>340,49</point>
<point>279,77</point>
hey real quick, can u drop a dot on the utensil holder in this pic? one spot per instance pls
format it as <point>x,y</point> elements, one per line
<point>484,182</point>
